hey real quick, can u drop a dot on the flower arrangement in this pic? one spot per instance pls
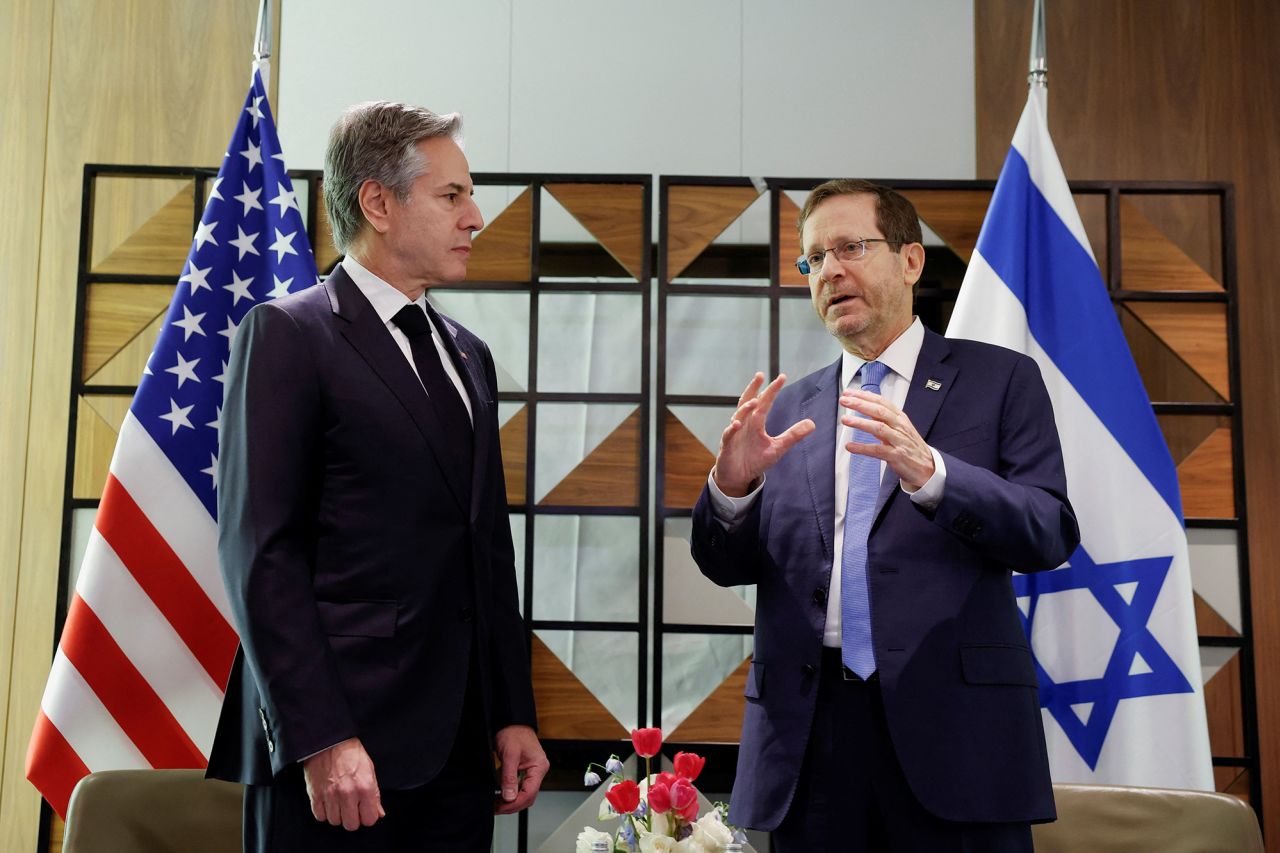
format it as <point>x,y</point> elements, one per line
<point>659,813</point>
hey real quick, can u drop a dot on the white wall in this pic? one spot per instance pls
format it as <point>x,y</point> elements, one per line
<point>872,88</point>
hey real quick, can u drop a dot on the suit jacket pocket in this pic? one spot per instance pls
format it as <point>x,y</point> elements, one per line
<point>358,618</point>
<point>998,664</point>
<point>755,681</point>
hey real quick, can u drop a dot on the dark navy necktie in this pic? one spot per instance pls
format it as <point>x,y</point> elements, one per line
<point>450,411</point>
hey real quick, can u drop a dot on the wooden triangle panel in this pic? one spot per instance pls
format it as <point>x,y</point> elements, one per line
<point>567,710</point>
<point>685,464</point>
<point>1233,781</point>
<point>1196,332</point>
<point>719,718</point>
<point>514,438</point>
<point>117,313</point>
<point>1164,374</point>
<point>160,245</point>
<point>789,247</point>
<point>696,215</point>
<point>322,246</point>
<point>1151,261</point>
<point>1206,479</point>
<point>613,213</point>
<point>126,366</point>
<point>609,476</point>
<point>502,251</point>
<point>1184,433</point>
<point>954,215</point>
<point>1209,623</point>
<point>112,408</point>
<point>1222,707</point>
<point>95,442</point>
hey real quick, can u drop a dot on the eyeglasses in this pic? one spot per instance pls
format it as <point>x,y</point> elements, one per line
<point>850,251</point>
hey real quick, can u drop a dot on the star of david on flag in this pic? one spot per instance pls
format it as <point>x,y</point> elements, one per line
<point>1113,631</point>
<point>138,677</point>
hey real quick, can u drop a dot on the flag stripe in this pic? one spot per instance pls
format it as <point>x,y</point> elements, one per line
<point>124,692</point>
<point>52,765</point>
<point>84,721</point>
<point>166,581</point>
<point>167,501</point>
<point>1054,276</point>
<point>150,642</point>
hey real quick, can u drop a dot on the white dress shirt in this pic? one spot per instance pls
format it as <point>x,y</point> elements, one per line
<point>387,302</point>
<point>900,357</point>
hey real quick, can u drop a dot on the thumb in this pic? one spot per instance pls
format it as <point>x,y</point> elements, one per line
<point>510,764</point>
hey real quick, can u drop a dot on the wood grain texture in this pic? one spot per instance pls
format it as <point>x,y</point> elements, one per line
<point>115,314</point>
<point>126,365</point>
<point>1206,479</point>
<point>1222,704</point>
<point>613,213</point>
<point>1166,376</point>
<point>26,32</point>
<point>503,250</point>
<point>514,438</point>
<point>696,215</point>
<point>1151,261</point>
<point>718,719</point>
<point>95,442</point>
<point>789,247</point>
<point>137,81</point>
<point>1177,90</point>
<point>156,245</point>
<point>955,216</point>
<point>1196,332</point>
<point>609,475</point>
<point>685,465</point>
<point>1209,623</point>
<point>567,710</point>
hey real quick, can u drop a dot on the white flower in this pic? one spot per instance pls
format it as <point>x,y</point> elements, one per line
<point>651,842</point>
<point>614,766</point>
<point>588,836</point>
<point>711,833</point>
<point>691,845</point>
<point>591,778</point>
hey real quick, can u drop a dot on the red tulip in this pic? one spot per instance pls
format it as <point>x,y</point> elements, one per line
<point>684,799</point>
<point>624,797</point>
<point>689,765</point>
<point>648,742</point>
<point>660,797</point>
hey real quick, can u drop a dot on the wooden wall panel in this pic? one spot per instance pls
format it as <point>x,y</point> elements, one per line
<point>1175,90</point>
<point>136,81</point>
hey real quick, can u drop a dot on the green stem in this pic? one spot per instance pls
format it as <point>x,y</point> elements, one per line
<point>648,810</point>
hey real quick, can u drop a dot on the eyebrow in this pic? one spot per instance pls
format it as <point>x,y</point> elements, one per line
<point>457,187</point>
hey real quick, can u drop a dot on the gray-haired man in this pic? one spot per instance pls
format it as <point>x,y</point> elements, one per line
<point>364,535</point>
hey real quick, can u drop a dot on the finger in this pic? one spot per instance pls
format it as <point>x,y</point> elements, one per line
<point>873,410</point>
<point>510,760</point>
<point>876,451</point>
<point>317,806</point>
<point>871,427</point>
<point>771,390</point>
<point>793,434</point>
<point>753,387</point>
<point>332,810</point>
<point>370,809</point>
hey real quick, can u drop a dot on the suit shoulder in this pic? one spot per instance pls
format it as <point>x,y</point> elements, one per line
<point>992,355</point>
<point>303,306</point>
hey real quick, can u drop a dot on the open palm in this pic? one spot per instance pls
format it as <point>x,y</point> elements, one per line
<point>746,448</point>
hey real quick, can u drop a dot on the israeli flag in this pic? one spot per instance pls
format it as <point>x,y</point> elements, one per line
<point>1113,631</point>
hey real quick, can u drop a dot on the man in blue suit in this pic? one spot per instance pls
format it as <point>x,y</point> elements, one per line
<point>892,699</point>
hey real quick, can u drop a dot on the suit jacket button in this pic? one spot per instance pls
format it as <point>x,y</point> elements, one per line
<point>820,596</point>
<point>465,614</point>
<point>271,745</point>
<point>809,669</point>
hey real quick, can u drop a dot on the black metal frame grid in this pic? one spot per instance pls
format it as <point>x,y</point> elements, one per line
<point>1113,191</point>
<point>564,754</point>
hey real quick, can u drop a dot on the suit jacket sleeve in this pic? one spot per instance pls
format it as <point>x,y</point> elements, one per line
<point>1017,515</point>
<point>513,702</point>
<point>726,557</point>
<point>269,469</point>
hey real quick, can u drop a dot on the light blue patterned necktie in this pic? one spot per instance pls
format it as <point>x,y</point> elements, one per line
<point>864,486</point>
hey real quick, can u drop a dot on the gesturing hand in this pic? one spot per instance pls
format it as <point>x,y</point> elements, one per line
<point>900,445</point>
<point>746,449</point>
<point>342,786</point>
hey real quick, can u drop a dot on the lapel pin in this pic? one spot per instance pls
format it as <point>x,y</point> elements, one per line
<point>933,385</point>
<point>464,355</point>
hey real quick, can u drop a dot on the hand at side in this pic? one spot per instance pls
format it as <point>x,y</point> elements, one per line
<point>343,786</point>
<point>519,752</point>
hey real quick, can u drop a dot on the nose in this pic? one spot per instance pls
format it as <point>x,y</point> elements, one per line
<point>832,267</point>
<point>471,219</point>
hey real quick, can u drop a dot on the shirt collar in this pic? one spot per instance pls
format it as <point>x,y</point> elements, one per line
<point>900,356</point>
<point>384,298</point>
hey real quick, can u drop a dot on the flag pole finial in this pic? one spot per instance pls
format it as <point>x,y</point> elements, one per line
<point>1037,66</point>
<point>262,41</point>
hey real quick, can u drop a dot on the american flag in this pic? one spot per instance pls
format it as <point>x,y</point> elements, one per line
<point>138,677</point>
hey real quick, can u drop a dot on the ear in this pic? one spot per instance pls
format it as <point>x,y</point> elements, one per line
<point>375,203</point>
<point>912,255</point>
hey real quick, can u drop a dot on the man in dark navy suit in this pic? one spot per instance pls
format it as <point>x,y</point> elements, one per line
<point>892,700</point>
<point>364,535</point>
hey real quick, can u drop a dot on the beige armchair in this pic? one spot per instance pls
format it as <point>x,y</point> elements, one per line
<point>1107,818</point>
<point>153,811</point>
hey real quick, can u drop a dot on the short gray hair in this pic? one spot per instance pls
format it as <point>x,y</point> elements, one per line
<point>376,141</point>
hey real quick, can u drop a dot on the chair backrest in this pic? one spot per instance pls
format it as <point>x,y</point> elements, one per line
<point>1106,818</point>
<point>153,811</point>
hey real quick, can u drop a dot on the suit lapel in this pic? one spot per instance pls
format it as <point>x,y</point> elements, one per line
<point>370,338</point>
<point>819,405</point>
<point>470,369</point>
<point>923,402</point>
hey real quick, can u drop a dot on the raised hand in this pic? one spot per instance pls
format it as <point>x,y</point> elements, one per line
<point>900,445</point>
<point>746,448</point>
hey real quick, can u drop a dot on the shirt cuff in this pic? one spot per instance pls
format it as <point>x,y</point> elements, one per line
<point>929,495</point>
<point>730,511</point>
